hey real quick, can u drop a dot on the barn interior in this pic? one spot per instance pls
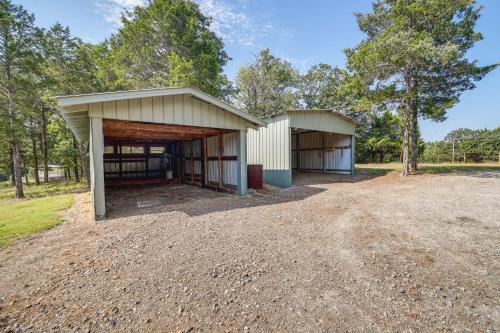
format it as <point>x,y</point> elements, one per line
<point>138,153</point>
<point>317,151</point>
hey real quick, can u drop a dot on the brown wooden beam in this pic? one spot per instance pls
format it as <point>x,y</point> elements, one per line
<point>109,124</point>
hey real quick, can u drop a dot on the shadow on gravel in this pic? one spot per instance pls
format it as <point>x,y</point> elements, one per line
<point>477,174</point>
<point>318,178</point>
<point>195,201</point>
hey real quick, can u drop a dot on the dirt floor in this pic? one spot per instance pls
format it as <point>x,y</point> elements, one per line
<point>343,253</point>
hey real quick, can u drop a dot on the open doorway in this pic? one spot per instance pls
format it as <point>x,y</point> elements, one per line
<point>144,153</point>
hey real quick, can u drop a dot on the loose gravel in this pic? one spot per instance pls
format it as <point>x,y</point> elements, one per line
<point>345,254</point>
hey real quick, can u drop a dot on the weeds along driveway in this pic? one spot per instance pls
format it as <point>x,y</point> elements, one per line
<point>360,254</point>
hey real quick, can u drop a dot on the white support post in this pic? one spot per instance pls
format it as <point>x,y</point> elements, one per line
<point>96,147</point>
<point>242,163</point>
<point>353,153</point>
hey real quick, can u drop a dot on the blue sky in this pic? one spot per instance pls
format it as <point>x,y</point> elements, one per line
<point>302,32</point>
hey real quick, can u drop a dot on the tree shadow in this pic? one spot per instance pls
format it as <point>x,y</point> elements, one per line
<point>318,178</point>
<point>194,201</point>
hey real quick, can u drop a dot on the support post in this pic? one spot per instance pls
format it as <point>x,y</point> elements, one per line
<point>97,168</point>
<point>242,163</point>
<point>323,154</point>
<point>353,154</point>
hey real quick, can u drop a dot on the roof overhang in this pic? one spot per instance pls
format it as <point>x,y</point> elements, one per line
<point>74,107</point>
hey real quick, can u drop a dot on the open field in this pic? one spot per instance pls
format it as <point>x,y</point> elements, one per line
<point>341,253</point>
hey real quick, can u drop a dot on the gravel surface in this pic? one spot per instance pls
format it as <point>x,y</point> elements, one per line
<point>345,254</point>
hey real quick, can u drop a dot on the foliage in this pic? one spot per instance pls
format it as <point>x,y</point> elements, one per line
<point>267,86</point>
<point>322,88</point>
<point>482,143</point>
<point>379,138</point>
<point>414,57</point>
<point>21,218</point>
<point>166,43</point>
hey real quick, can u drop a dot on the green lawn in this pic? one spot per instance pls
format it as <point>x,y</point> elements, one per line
<point>426,168</point>
<point>23,217</point>
<point>7,191</point>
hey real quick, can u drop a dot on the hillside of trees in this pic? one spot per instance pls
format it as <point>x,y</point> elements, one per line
<point>411,65</point>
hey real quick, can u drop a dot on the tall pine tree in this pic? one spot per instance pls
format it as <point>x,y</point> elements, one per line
<point>415,56</point>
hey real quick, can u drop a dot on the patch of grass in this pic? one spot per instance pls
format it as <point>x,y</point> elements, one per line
<point>24,217</point>
<point>426,168</point>
<point>54,187</point>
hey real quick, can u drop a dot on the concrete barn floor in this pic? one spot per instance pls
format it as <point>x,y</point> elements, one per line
<point>343,253</point>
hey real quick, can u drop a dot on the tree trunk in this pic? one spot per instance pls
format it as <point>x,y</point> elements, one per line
<point>43,144</point>
<point>35,152</point>
<point>407,113</point>
<point>11,165</point>
<point>75,159</point>
<point>406,170</point>
<point>85,162</point>
<point>16,157</point>
<point>414,138</point>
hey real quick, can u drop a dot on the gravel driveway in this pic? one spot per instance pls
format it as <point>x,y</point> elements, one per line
<point>344,254</point>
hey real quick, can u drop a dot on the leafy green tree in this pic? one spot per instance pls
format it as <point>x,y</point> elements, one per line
<point>414,56</point>
<point>379,135</point>
<point>321,88</point>
<point>267,86</point>
<point>17,60</point>
<point>167,42</point>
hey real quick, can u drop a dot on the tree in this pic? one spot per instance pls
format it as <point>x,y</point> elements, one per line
<point>415,57</point>
<point>379,134</point>
<point>322,87</point>
<point>166,43</point>
<point>267,86</point>
<point>17,59</point>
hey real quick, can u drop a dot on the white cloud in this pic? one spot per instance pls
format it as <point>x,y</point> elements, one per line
<point>113,10</point>
<point>233,24</point>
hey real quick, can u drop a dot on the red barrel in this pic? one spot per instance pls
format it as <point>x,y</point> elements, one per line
<point>255,176</point>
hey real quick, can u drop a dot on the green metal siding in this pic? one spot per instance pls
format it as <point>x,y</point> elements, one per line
<point>280,178</point>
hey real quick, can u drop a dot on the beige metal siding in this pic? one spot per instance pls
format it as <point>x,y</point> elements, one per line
<point>321,121</point>
<point>270,146</point>
<point>175,110</point>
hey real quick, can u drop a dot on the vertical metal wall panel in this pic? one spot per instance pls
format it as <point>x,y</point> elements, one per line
<point>230,172</point>
<point>230,148</point>
<point>311,140</point>
<point>270,146</point>
<point>324,121</point>
<point>175,110</point>
<point>230,144</point>
<point>213,172</point>
<point>311,160</point>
